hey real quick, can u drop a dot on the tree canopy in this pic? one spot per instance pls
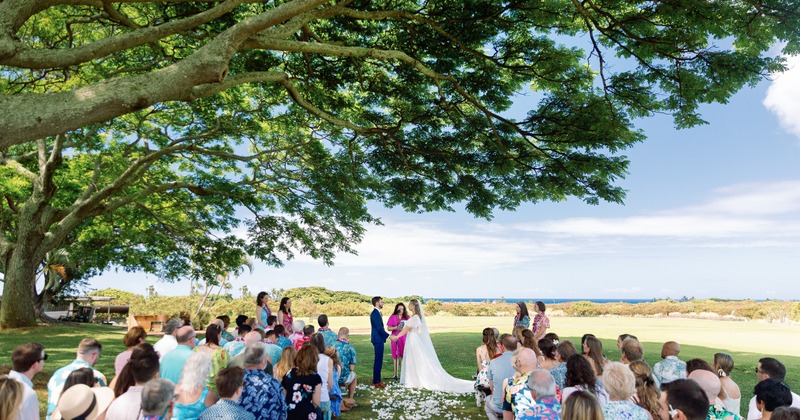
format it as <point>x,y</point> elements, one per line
<point>143,132</point>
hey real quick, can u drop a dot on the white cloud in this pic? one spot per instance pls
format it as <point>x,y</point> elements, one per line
<point>783,96</point>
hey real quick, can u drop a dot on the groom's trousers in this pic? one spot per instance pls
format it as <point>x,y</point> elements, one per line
<point>377,366</point>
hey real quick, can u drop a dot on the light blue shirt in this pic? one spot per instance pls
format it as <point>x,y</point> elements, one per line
<point>500,369</point>
<point>172,363</point>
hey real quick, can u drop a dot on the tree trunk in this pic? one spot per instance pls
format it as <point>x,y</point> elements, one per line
<point>17,309</point>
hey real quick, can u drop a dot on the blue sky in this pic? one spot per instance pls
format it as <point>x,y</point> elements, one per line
<point>712,211</point>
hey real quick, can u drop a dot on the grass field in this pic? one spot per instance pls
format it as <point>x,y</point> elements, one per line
<point>455,340</point>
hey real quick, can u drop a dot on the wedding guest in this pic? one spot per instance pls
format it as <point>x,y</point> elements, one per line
<point>226,322</point>
<point>395,324</point>
<point>593,351</point>
<point>325,330</point>
<point>219,357</point>
<point>27,360</point>
<point>786,413</point>
<point>518,397</point>
<point>622,338</point>
<point>283,341</point>
<point>581,405</point>
<point>697,364</point>
<point>262,310</point>
<point>236,346</point>
<point>142,367</point>
<point>172,363</point>
<point>671,368</point>
<point>11,396</point>
<point>729,392</point>
<point>285,314</point>
<point>580,377</point>
<point>484,355</point>
<point>551,362</point>
<point>262,394</point>
<point>272,322</point>
<point>274,351</point>
<point>169,341</point>
<point>552,336</point>
<point>219,323</point>
<point>529,341</point>
<point>88,354</point>
<point>302,385</point>
<point>347,355</point>
<point>297,332</point>
<point>500,369</point>
<point>631,351</point>
<point>620,384</point>
<point>194,394</point>
<point>308,331</point>
<point>769,368</point>
<point>158,399</point>
<point>335,392</point>
<point>83,376</point>
<point>565,349</point>
<point>84,402</point>
<point>521,318</point>
<point>682,399</point>
<point>771,394</point>
<point>230,383</point>
<point>134,336</point>
<point>647,393</point>
<point>540,322</point>
<point>709,383</point>
<point>285,363</point>
<point>543,392</point>
<point>249,339</point>
<point>325,371</point>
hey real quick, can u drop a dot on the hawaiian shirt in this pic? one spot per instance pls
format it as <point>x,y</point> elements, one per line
<point>235,347</point>
<point>226,410</point>
<point>347,355</point>
<point>300,341</point>
<point>56,383</point>
<point>329,336</point>
<point>560,375</point>
<point>624,410</point>
<point>545,409</point>
<point>283,342</point>
<point>262,396</point>
<point>518,395</point>
<point>718,412</point>
<point>669,369</point>
<point>540,321</point>
<point>525,322</point>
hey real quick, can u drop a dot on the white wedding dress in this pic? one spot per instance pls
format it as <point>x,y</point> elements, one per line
<point>421,367</point>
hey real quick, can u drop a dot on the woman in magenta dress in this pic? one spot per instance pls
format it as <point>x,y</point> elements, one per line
<point>395,324</point>
<point>285,315</point>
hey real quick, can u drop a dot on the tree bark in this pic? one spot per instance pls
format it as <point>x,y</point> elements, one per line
<point>17,310</point>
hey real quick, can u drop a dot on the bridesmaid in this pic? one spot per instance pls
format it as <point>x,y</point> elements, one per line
<point>395,325</point>
<point>262,310</point>
<point>285,315</point>
<point>522,318</point>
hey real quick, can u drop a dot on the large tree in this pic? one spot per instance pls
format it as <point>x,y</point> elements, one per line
<point>179,117</point>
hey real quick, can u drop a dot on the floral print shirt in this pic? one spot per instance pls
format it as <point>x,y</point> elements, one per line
<point>540,323</point>
<point>719,412</point>
<point>347,355</point>
<point>624,410</point>
<point>262,396</point>
<point>518,395</point>
<point>545,409</point>
<point>299,393</point>
<point>669,369</point>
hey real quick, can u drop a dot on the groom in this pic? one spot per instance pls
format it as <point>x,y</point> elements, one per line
<point>378,338</point>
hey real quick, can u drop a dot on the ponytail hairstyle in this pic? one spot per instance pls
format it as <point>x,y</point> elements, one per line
<point>142,366</point>
<point>646,389</point>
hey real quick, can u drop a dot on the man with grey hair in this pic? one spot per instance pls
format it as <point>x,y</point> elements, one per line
<point>262,394</point>
<point>158,399</point>
<point>168,342</point>
<point>543,392</point>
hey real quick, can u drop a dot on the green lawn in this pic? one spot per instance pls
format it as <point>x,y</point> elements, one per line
<point>455,340</point>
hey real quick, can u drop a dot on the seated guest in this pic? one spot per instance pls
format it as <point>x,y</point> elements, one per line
<point>564,350</point>
<point>226,322</point>
<point>518,397</point>
<point>302,385</point>
<point>88,354</point>
<point>683,399</point>
<point>27,360</point>
<point>194,394</point>
<point>623,337</point>
<point>500,369</point>
<point>647,392</point>
<point>308,331</point>
<point>142,367</point>
<point>249,339</point>
<point>631,351</point>
<point>769,368</point>
<point>324,329</point>
<point>84,402</point>
<point>483,355</point>
<point>285,364</point>
<point>771,394</point>
<point>580,377</point>
<point>620,384</point>
<point>221,324</point>
<point>262,395</point>
<point>240,320</point>
<point>272,322</point>
<point>297,331</point>
<point>709,383</point>
<point>80,376</point>
<point>237,345</point>
<point>671,368</point>
<point>729,393</point>
<point>283,341</point>
<point>348,358</point>
<point>134,336</point>
<point>697,364</point>
<point>158,399</point>
<point>212,346</point>
<point>168,342</point>
<point>172,362</point>
<point>582,405</point>
<point>786,413</point>
<point>274,351</point>
<point>230,383</point>
<point>543,392</point>
<point>11,392</point>
<point>593,352</point>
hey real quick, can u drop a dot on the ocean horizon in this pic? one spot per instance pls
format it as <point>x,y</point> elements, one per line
<point>546,301</point>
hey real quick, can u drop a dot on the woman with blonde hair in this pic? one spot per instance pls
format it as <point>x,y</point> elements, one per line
<point>647,393</point>
<point>581,405</point>
<point>729,393</point>
<point>192,390</point>
<point>285,364</point>
<point>10,397</point>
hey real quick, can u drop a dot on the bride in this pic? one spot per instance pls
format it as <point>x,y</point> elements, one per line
<point>421,367</point>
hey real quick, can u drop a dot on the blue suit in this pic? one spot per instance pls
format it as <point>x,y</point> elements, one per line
<point>378,338</point>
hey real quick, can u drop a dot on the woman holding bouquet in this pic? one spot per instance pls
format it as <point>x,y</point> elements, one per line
<point>395,324</point>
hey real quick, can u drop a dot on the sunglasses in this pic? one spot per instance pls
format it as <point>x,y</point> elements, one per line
<point>43,358</point>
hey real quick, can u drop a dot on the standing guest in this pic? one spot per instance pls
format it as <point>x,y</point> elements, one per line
<point>194,394</point>
<point>620,384</point>
<point>82,402</point>
<point>158,399</point>
<point>285,314</point>
<point>395,324</point>
<point>709,383</point>
<point>378,336</point>
<point>219,357</point>
<point>347,355</point>
<point>325,372</point>
<point>581,377</point>
<point>769,368</point>
<point>249,339</point>
<point>581,405</point>
<point>11,398</point>
<point>729,392</point>
<point>540,322</point>
<point>283,341</point>
<point>169,341</point>
<point>682,399</point>
<point>285,363</point>
<point>88,354</point>
<point>27,360</point>
<point>308,331</point>
<point>172,363</point>
<point>274,351</point>
<point>671,368</point>
<point>593,351</point>
<point>262,310</point>
<point>543,391</point>
<point>226,322</point>
<point>325,329</point>
<point>262,394</point>
<point>521,318</point>
<point>302,385</point>
<point>236,346</point>
<point>230,383</point>
<point>133,337</point>
<point>500,369</point>
<point>142,367</point>
<point>647,393</point>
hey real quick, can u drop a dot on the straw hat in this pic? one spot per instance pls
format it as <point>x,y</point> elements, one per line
<point>82,402</point>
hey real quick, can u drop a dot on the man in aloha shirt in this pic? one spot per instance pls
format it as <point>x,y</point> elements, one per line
<point>671,368</point>
<point>347,355</point>
<point>543,390</point>
<point>324,329</point>
<point>237,345</point>
<point>710,384</point>
<point>262,394</point>
<point>518,397</point>
<point>88,354</point>
<point>283,341</point>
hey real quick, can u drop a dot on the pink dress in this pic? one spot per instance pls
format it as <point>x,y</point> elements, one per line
<point>397,346</point>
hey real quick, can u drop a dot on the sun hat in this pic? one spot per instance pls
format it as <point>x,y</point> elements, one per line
<point>80,402</point>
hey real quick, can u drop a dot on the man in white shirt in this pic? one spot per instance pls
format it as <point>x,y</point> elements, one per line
<point>769,368</point>
<point>28,360</point>
<point>168,342</point>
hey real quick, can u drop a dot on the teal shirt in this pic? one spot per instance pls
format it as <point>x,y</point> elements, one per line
<point>329,336</point>
<point>172,363</point>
